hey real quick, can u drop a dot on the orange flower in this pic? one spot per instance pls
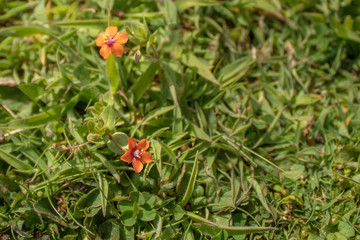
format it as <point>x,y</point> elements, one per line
<point>137,154</point>
<point>111,41</point>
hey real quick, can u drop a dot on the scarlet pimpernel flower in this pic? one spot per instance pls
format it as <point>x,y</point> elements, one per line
<point>111,42</point>
<point>136,154</point>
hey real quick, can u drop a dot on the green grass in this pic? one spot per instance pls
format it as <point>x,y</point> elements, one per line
<point>251,109</point>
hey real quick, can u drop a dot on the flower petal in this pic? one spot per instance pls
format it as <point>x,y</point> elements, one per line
<point>121,38</point>
<point>100,40</point>
<point>111,31</point>
<point>146,157</point>
<point>117,49</point>
<point>137,164</point>
<point>127,156</point>
<point>132,144</point>
<point>143,145</point>
<point>105,51</point>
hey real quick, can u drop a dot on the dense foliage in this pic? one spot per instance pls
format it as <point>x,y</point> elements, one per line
<point>251,109</point>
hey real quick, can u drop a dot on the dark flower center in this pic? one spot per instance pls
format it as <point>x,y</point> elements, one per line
<point>137,154</point>
<point>109,41</point>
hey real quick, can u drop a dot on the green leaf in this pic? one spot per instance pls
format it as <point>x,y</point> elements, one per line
<point>44,207</point>
<point>110,230</point>
<point>200,66</point>
<point>314,237</point>
<point>267,5</point>
<point>41,119</point>
<point>20,31</point>
<point>270,129</point>
<point>16,10</point>
<point>137,197</point>
<point>34,156</point>
<point>235,71</point>
<point>157,112</point>
<point>96,138</point>
<point>223,235</point>
<point>316,17</point>
<point>201,116</point>
<point>112,73</point>
<point>170,12</point>
<point>8,189</point>
<point>307,99</point>
<point>336,236</point>
<point>191,183</point>
<point>127,218</point>
<point>139,88</point>
<point>31,90</point>
<point>178,212</point>
<point>15,162</point>
<point>108,117</point>
<point>342,129</point>
<point>346,229</point>
<point>293,170</point>
<point>151,200</point>
<point>138,32</point>
<point>127,232</point>
<point>332,202</point>
<point>261,196</point>
<point>125,205</point>
<point>212,229</point>
<point>108,165</point>
<point>118,142</point>
<point>90,24</point>
<point>156,146</point>
<point>147,214</point>
<point>104,190</point>
<point>185,4</point>
<point>199,133</point>
<point>89,199</point>
<point>170,77</point>
<point>178,121</point>
<point>65,171</point>
<point>345,33</point>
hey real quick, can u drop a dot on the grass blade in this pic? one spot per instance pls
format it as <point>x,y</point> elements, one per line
<point>191,183</point>
<point>15,162</point>
<point>139,88</point>
<point>201,67</point>
<point>104,189</point>
<point>109,166</point>
<point>112,73</point>
<point>209,227</point>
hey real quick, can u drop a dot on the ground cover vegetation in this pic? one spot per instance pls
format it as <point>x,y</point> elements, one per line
<point>208,119</point>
